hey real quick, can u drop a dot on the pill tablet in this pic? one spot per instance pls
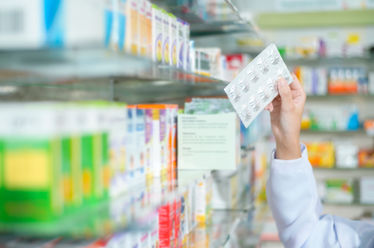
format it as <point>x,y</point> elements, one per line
<point>255,86</point>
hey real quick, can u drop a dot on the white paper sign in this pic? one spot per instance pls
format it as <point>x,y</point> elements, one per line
<point>208,142</point>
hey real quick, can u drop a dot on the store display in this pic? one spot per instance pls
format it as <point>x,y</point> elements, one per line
<point>329,44</point>
<point>345,80</point>
<point>339,191</point>
<point>235,63</point>
<point>343,117</point>
<point>367,190</point>
<point>335,80</point>
<point>314,80</point>
<point>43,24</point>
<point>346,155</point>
<point>106,174</point>
<point>249,98</point>
<point>369,127</point>
<point>371,83</point>
<point>321,154</point>
<point>366,158</point>
<point>82,153</point>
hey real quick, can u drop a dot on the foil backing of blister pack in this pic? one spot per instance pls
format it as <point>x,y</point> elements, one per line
<point>256,85</point>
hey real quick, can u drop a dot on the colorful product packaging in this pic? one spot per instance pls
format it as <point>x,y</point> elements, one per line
<point>165,37</point>
<point>130,167</point>
<point>95,150</point>
<point>369,127</point>
<point>157,34</point>
<point>132,43</point>
<point>115,123</point>
<point>174,118</point>
<point>180,43</point>
<point>148,139</point>
<point>109,23</point>
<point>173,36</point>
<point>164,137</point>
<point>140,147</point>
<point>148,23</point>
<point>142,16</point>
<point>321,154</point>
<point>156,167</point>
<point>339,191</point>
<point>366,158</point>
<point>32,170</point>
<point>367,190</point>
<point>186,52</point>
<point>70,159</point>
<point>121,23</point>
<point>166,225</point>
<point>203,199</point>
<point>171,110</point>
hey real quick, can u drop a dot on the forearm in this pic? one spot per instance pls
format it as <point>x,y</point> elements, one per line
<point>293,198</point>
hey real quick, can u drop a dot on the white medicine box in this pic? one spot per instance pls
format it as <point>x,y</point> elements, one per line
<point>32,24</point>
<point>208,141</point>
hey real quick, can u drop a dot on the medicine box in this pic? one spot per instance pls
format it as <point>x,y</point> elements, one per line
<point>32,24</point>
<point>208,141</point>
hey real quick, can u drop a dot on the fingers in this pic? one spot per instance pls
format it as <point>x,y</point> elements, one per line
<point>295,85</point>
<point>269,107</point>
<point>285,93</point>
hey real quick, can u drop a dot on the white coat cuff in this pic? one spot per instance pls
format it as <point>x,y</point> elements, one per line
<point>283,166</point>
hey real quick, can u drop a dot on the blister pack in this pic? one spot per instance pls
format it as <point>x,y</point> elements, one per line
<point>256,85</point>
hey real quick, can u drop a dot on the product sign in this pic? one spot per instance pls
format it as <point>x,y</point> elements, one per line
<point>207,142</point>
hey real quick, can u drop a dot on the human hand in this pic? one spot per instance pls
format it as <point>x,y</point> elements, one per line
<point>286,112</point>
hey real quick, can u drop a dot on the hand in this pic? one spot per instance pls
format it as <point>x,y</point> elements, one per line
<point>286,112</point>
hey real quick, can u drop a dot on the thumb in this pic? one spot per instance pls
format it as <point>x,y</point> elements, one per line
<point>285,93</point>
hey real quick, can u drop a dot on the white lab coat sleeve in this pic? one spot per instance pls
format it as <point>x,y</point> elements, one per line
<point>296,208</point>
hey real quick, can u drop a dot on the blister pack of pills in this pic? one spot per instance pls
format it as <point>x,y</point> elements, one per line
<point>256,85</point>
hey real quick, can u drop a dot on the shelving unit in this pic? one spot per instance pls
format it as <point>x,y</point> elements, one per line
<point>342,173</point>
<point>69,75</point>
<point>205,25</point>
<point>350,18</point>
<point>333,132</point>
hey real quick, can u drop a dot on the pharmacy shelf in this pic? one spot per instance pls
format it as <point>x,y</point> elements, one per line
<point>342,173</point>
<point>204,24</point>
<point>350,97</point>
<point>350,211</point>
<point>346,18</point>
<point>219,27</point>
<point>342,169</point>
<point>249,228</point>
<point>357,205</point>
<point>331,61</point>
<point>130,211</point>
<point>86,74</point>
<point>333,132</point>
<point>228,228</point>
<point>105,221</point>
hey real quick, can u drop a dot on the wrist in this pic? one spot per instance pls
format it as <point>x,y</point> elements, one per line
<point>288,150</point>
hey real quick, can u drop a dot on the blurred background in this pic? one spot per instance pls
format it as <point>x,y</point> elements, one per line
<point>101,99</point>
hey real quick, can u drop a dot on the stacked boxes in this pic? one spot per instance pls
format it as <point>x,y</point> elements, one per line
<point>58,158</point>
<point>334,80</point>
<point>31,164</point>
<point>53,24</point>
<point>142,28</point>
